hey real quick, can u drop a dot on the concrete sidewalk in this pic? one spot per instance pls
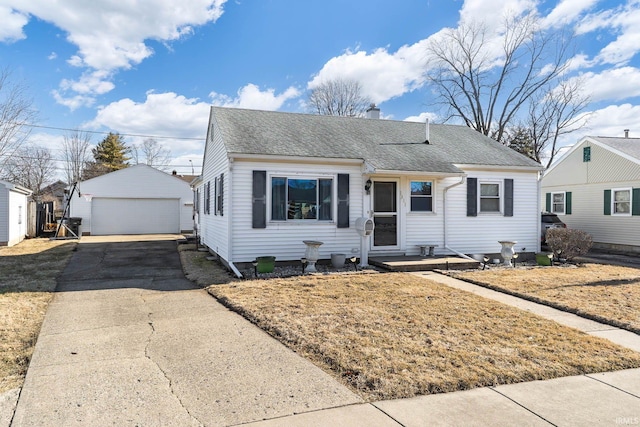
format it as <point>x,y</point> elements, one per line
<point>128,341</point>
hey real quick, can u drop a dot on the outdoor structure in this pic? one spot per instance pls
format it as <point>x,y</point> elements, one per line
<point>135,200</point>
<point>595,187</point>
<point>13,213</point>
<point>272,180</point>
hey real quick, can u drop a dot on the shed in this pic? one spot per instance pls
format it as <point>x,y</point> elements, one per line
<point>136,200</point>
<point>13,213</point>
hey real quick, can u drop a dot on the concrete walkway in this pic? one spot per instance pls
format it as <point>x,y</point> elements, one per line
<point>128,341</point>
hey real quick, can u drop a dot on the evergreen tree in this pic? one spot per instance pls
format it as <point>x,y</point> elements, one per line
<point>111,154</point>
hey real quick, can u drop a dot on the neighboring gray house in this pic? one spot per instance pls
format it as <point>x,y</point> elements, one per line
<point>595,187</point>
<point>271,180</point>
<point>135,200</point>
<point>13,213</point>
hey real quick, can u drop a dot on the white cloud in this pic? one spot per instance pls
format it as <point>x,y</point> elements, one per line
<point>422,117</point>
<point>382,75</point>
<point>52,55</point>
<point>613,120</point>
<point>110,35</point>
<point>566,12</point>
<point>624,22</point>
<point>613,84</point>
<point>493,12</point>
<point>96,82</point>
<point>162,115</point>
<point>250,96</point>
<point>12,24</point>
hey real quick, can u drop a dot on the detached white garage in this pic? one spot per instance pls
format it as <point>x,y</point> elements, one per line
<point>135,200</point>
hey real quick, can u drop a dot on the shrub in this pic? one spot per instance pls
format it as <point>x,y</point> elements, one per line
<point>568,243</point>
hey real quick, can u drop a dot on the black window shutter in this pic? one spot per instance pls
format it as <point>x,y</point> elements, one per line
<point>548,202</point>
<point>472,196</point>
<point>635,201</point>
<point>343,200</point>
<point>508,197</point>
<point>207,204</point>
<point>259,202</point>
<point>215,196</point>
<point>221,190</point>
<point>607,202</point>
<point>567,203</point>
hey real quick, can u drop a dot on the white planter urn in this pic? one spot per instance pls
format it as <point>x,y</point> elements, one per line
<point>507,251</point>
<point>312,254</point>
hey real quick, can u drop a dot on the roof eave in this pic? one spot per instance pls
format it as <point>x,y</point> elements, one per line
<point>502,168</point>
<point>293,159</point>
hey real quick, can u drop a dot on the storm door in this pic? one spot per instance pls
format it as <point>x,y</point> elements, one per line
<point>385,214</point>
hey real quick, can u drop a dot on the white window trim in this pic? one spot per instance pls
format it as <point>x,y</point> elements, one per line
<point>564,203</point>
<point>299,222</point>
<point>613,201</point>
<point>500,196</point>
<point>433,198</point>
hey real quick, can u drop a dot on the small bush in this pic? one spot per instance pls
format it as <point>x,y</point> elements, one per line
<point>568,243</point>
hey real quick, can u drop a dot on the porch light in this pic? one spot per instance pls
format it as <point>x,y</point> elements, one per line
<point>515,259</point>
<point>550,255</point>
<point>486,260</point>
<point>367,186</point>
<point>255,267</point>
<point>303,261</point>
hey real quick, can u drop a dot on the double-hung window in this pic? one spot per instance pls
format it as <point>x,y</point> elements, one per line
<point>621,201</point>
<point>557,203</point>
<point>489,197</point>
<point>421,196</point>
<point>302,199</point>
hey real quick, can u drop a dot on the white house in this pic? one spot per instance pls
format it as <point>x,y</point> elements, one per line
<point>13,213</point>
<point>271,180</point>
<point>595,187</point>
<point>135,200</point>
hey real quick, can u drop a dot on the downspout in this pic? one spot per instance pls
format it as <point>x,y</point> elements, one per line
<point>229,222</point>
<point>444,215</point>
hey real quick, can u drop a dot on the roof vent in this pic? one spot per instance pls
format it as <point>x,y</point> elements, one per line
<point>626,133</point>
<point>373,112</point>
<point>426,126</point>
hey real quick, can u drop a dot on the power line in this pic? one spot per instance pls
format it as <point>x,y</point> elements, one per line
<point>107,133</point>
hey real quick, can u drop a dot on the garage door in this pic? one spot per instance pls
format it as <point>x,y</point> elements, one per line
<point>134,216</point>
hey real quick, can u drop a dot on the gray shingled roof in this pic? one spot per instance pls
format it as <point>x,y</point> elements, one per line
<point>628,146</point>
<point>384,144</point>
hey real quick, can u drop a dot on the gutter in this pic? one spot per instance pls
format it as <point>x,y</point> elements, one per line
<point>444,215</point>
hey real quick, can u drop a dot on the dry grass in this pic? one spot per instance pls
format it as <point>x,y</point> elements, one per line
<point>200,270</point>
<point>605,293</point>
<point>393,335</point>
<point>28,273</point>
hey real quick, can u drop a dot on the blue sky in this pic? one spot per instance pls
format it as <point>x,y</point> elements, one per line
<point>154,67</point>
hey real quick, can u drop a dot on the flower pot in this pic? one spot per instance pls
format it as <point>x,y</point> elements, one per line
<point>266,264</point>
<point>543,259</point>
<point>337,260</point>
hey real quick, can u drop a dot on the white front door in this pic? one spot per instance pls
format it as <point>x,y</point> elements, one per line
<point>385,214</point>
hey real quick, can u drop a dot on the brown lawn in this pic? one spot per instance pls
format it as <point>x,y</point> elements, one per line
<point>605,293</point>
<point>393,335</point>
<point>28,273</point>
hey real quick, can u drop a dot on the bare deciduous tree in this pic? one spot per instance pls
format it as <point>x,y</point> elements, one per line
<point>339,97</point>
<point>31,167</point>
<point>16,114</point>
<point>76,152</point>
<point>485,77</point>
<point>151,153</point>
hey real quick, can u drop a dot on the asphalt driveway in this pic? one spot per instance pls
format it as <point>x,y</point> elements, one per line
<point>128,340</point>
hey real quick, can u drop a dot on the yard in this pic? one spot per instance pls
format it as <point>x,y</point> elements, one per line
<point>606,293</point>
<point>394,335</point>
<point>28,273</point>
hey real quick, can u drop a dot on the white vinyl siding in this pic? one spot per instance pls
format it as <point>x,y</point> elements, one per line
<point>480,234</point>
<point>135,182</point>
<point>135,216</point>
<point>13,216</point>
<point>283,239</point>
